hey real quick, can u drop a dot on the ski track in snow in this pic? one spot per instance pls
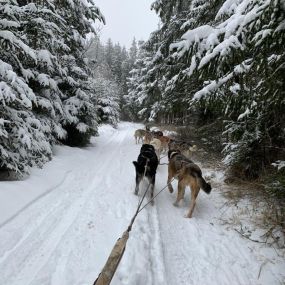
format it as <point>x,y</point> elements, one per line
<point>65,235</point>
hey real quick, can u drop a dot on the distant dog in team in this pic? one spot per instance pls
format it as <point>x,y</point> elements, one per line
<point>157,134</point>
<point>164,143</point>
<point>146,165</point>
<point>185,148</point>
<point>139,135</point>
<point>156,143</point>
<point>147,137</point>
<point>188,174</point>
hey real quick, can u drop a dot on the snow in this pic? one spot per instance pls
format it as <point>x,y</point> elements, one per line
<point>81,127</point>
<point>246,113</point>
<point>212,87</point>
<point>279,164</point>
<point>59,225</point>
<point>4,23</point>
<point>43,79</point>
<point>45,56</point>
<point>228,7</point>
<point>9,36</point>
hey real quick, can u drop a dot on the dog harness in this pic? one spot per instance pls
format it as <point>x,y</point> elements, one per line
<point>173,153</point>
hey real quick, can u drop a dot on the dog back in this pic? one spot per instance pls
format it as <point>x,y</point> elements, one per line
<point>183,167</point>
<point>177,160</point>
<point>140,133</point>
<point>156,143</point>
<point>147,158</point>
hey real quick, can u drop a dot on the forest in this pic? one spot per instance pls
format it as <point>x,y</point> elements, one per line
<point>211,75</point>
<point>224,67</point>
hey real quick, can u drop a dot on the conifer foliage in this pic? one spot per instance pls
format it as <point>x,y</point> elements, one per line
<point>44,79</point>
<point>223,60</point>
<point>111,64</point>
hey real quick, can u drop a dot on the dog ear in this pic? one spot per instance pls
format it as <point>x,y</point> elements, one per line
<point>135,164</point>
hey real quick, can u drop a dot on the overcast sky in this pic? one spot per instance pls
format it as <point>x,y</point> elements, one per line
<point>126,19</point>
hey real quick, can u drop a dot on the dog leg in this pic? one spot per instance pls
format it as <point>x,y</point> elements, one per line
<point>194,194</point>
<point>158,156</point>
<point>138,180</point>
<point>152,189</point>
<point>170,176</point>
<point>180,193</point>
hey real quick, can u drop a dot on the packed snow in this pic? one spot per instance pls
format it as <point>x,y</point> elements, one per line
<point>59,225</point>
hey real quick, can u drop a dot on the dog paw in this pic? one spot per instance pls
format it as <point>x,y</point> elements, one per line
<point>186,216</point>
<point>175,204</point>
<point>170,190</point>
<point>136,193</point>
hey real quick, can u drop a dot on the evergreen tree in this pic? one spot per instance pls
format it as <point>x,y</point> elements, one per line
<point>42,23</point>
<point>80,119</point>
<point>45,83</point>
<point>223,60</point>
<point>136,99</point>
<point>23,138</point>
<point>112,63</point>
<point>106,83</point>
<point>107,100</point>
<point>109,53</point>
<point>133,52</point>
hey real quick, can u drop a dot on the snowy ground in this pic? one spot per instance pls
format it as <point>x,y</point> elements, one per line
<point>58,226</point>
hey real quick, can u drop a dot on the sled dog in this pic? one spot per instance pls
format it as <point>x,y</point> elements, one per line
<point>164,143</point>
<point>156,143</point>
<point>146,164</point>
<point>147,137</point>
<point>139,135</point>
<point>185,148</point>
<point>157,134</point>
<point>188,174</point>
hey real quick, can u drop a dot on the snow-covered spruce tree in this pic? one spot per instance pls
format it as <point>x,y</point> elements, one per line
<point>43,29</point>
<point>223,60</point>
<point>109,53</point>
<point>23,138</point>
<point>133,52</point>
<point>107,100</point>
<point>160,106</point>
<point>182,81</point>
<point>111,64</point>
<point>135,100</point>
<point>240,58</point>
<point>117,64</point>
<point>80,120</point>
<point>106,83</point>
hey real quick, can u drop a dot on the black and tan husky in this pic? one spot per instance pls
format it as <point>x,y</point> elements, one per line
<point>146,164</point>
<point>188,174</point>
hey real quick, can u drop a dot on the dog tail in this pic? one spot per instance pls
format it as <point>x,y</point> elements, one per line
<point>204,185</point>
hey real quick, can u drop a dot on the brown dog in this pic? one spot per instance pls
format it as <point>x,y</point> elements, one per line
<point>164,142</point>
<point>188,174</point>
<point>147,137</point>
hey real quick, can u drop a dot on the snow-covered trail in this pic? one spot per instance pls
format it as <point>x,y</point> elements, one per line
<point>65,235</point>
